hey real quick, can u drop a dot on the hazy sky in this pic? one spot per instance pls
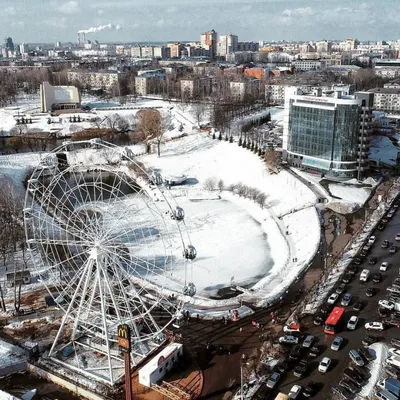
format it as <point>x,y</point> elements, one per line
<point>166,20</point>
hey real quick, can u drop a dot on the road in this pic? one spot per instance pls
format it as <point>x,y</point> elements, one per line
<point>352,339</point>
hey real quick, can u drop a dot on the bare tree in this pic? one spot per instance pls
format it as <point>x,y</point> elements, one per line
<point>165,126</point>
<point>198,110</point>
<point>18,130</point>
<point>221,185</point>
<point>15,143</point>
<point>210,184</point>
<point>273,160</point>
<point>261,198</point>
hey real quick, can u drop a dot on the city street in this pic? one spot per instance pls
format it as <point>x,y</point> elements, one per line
<point>352,339</point>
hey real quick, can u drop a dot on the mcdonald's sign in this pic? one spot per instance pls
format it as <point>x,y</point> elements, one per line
<point>124,338</point>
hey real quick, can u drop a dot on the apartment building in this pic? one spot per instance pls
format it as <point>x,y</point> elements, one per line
<point>386,99</point>
<point>245,87</point>
<point>99,79</point>
<point>197,86</point>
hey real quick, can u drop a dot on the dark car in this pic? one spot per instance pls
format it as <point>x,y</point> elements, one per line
<point>341,392</point>
<point>357,260</point>
<point>353,376</point>
<point>310,390</point>
<point>393,249</point>
<point>314,351</point>
<point>363,253</point>
<point>340,289</point>
<point>365,354</point>
<point>370,339</point>
<point>346,277</point>
<point>318,320</point>
<point>358,305</point>
<point>301,369</point>
<point>385,244</point>
<point>349,385</point>
<point>381,226</point>
<point>285,366</point>
<point>362,372</point>
<point>370,292</point>
<point>377,277</point>
<point>372,260</point>
<point>296,351</point>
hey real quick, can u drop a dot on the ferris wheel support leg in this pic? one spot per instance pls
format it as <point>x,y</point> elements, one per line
<point>64,320</point>
<point>104,316</point>
<point>87,269</point>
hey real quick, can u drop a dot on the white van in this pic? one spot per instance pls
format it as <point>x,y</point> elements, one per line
<point>393,360</point>
<point>364,275</point>
<point>385,395</point>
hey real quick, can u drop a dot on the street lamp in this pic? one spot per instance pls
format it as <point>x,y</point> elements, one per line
<point>242,362</point>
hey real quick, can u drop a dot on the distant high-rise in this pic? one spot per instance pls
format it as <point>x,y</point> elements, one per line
<point>208,41</point>
<point>8,43</point>
<point>227,44</point>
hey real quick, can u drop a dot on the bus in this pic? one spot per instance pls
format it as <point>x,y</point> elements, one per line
<point>332,323</point>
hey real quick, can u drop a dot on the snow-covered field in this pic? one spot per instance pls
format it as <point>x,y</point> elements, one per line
<point>383,150</point>
<point>236,239</point>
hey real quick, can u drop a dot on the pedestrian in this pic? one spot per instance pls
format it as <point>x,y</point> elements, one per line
<point>241,330</point>
<point>198,317</point>
<point>213,322</point>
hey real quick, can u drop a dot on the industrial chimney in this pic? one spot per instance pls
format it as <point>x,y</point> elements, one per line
<point>78,38</point>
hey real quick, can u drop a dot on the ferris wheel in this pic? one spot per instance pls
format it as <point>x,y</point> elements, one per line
<point>106,242</point>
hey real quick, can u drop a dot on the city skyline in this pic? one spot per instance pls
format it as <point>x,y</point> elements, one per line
<point>170,20</point>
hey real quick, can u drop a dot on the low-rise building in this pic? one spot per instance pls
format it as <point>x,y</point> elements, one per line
<point>99,79</point>
<point>149,83</point>
<point>58,97</point>
<point>386,99</point>
<point>199,86</point>
<point>245,87</point>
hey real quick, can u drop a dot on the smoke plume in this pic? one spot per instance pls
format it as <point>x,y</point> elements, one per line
<point>100,28</point>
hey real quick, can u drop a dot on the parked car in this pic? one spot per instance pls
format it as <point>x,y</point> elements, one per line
<point>381,226</point>
<point>314,351</point>
<point>386,304</point>
<point>377,277</point>
<point>310,390</point>
<point>370,292</point>
<point>393,249</point>
<point>318,320</point>
<point>370,339</point>
<point>341,392</point>
<point>353,376</point>
<point>393,289</point>
<point>346,299</point>
<point>374,326</point>
<point>385,244</point>
<point>332,298</point>
<point>394,351</point>
<point>358,305</point>
<point>296,352</point>
<point>365,353</point>
<point>291,328</point>
<point>288,339</point>
<point>397,237</point>
<point>372,260</point>
<point>384,266</point>
<point>308,341</point>
<point>337,343</point>
<point>372,239</point>
<point>352,322</point>
<point>295,391</point>
<point>324,365</point>
<point>362,372</point>
<point>340,289</point>
<point>346,277</point>
<point>301,369</point>
<point>356,357</point>
<point>273,380</point>
<point>395,342</point>
<point>392,371</point>
<point>348,385</point>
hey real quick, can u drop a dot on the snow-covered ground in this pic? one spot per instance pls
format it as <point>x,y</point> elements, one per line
<point>383,150</point>
<point>10,354</point>
<point>236,239</point>
<point>376,367</point>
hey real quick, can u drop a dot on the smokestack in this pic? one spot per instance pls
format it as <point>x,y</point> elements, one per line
<point>78,39</point>
<point>84,37</point>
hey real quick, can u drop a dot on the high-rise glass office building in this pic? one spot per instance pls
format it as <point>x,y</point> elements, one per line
<point>321,133</point>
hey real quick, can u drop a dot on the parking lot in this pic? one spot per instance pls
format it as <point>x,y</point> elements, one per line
<point>368,313</point>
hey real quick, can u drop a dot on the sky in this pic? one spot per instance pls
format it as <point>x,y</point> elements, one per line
<point>172,20</point>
